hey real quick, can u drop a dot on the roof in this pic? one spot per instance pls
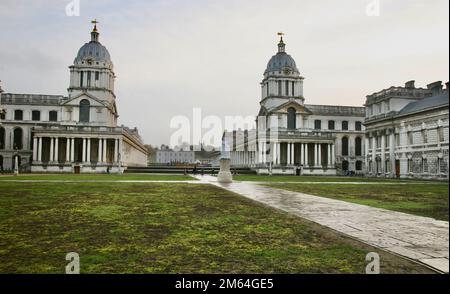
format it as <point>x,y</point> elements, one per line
<point>280,61</point>
<point>336,110</point>
<point>426,103</point>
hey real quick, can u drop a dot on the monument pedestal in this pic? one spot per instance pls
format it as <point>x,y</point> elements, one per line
<point>224,175</point>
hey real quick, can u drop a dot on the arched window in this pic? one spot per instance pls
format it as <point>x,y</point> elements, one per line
<point>291,118</point>
<point>345,146</point>
<point>84,110</point>
<point>2,138</point>
<point>358,146</point>
<point>18,115</point>
<point>18,134</point>
<point>358,126</point>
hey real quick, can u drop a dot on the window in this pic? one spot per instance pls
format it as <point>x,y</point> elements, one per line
<point>345,125</point>
<point>317,124</point>
<point>331,124</point>
<point>410,138</point>
<point>18,133</point>
<point>358,126</point>
<point>441,136</point>
<point>53,115</point>
<point>18,115</point>
<point>287,88</point>
<point>36,115</point>
<point>293,88</point>
<point>2,138</point>
<point>424,136</point>
<point>358,165</point>
<point>84,110</point>
<point>345,146</point>
<point>88,78</point>
<point>291,118</point>
<point>97,75</point>
<point>81,79</point>
<point>267,89</point>
<point>358,146</point>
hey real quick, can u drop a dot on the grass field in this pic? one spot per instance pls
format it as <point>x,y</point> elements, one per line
<point>424,199</point>
<point>166,228</point>
<point>98,177</point>
<point>274,178</point>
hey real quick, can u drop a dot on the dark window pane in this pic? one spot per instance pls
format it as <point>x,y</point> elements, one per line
<point>84,110</point>
<point>358,126</point>
<point>36,115</point>
<point>53,116</point>
<point>331,124</point>
<point>18,115</point>
<point>291,118</point>
<point>317,124</point>
<point>345,125</point>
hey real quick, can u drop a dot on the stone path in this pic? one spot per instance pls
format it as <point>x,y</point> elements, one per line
<point>422,239</point>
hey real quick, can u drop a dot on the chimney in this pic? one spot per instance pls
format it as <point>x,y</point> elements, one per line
<point>436,87</point>
<point>410,84</point>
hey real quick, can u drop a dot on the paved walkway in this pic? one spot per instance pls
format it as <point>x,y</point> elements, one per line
<point>419,238</point>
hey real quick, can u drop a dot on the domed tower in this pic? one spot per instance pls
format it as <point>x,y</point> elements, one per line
<point>92,79</point>
<point>282,78</point>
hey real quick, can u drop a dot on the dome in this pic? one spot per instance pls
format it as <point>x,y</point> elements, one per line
<point>94,51</point>
<point>280,61</point>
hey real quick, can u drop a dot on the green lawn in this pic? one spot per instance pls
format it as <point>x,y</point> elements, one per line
<point>162,228</point>
<point>99,177</point>
<point>274,178</point>
<point>425,199</point>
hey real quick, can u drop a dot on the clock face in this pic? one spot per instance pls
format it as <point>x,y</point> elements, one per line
<point>287,71</point>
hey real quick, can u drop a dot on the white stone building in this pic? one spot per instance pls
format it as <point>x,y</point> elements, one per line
<point>407,132</point>
<point>171,156</point>
<point>297,138</point>
<point>77,133</point>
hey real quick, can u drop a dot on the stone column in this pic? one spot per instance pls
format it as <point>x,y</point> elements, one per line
<point>83,153</point>
<point>56,156</point>
<point>306,155</point>
<point>383,151</point>
<point>315,155</point>
<point>329,154</point>
<point>392,151</point>
<point>72,149</point>
<point>52,141</point>
<point>302,154</point>
<point>374,155</point>
<point>319,154</point>
<point>40,149</point>
<point>288,153</point>
<point>67,149</point>
<point>366,155</point>
<point>88,151</point>
<point>274,153</point>
<point>100,148</point>
<point>104,150</point>
<point>333,154</point>
<point>35,148</point>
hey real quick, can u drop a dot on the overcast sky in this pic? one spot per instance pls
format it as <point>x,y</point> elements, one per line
<point>173,55</point>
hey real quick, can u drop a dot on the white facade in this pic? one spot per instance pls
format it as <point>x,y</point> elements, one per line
<point>78,133</point>
<point>410,138</point>
<point>297,138</point>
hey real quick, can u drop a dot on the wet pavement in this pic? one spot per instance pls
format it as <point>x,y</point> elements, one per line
<point>422,239</point>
